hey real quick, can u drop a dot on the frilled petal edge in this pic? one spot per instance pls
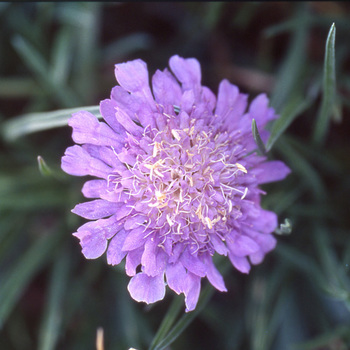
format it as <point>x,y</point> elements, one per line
<point>146,288</point>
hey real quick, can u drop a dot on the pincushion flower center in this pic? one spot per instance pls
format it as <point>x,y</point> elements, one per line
<point>187,180</point>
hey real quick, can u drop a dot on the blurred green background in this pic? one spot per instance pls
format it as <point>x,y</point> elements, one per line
<point>56,56</point>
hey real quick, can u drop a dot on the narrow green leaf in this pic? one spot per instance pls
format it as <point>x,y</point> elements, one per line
<point>300,166</point>
<point>329,89</point>
<point>14,283</point>
<point>16,87</point>
<point>39,66</point>
<point>186,319</point>
<point>289,73</point>
<point>34,122</point>
<point>61,55</point>
<point>257,138</point>
<point>50,325</point>
<point>338,283</point>
<point>167,322</point>
<point>295,107</point>
<point>43,167</point>
<point>301,262</point>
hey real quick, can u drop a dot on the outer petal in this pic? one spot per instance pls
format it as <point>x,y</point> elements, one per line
<point>192,290</point>
<point>134,106</point>
<point>115,254</point>
<point>259,109</point>
<point>134,222</point>
<point>166,90</point>
<point>96,209</point>
<point>87,129</point>
<point>266,222</point>
<point>192,263</point>
<point>93,245</point>
<point>133,77</point>
<point>241,264</point>
<point>175,276</point>
<point>271,171</point>
<point>241,245</point>
<point>187,71</point>
<point>135,239</point>
<point>213,274</point>
<point>93,188</point>
<point>208,98</point>
<point>77,161</point>
<point>230,104</point>
<point>133,260</point>
<point>107,110</point>
<point>153,259</point>
<point>218,245</point>
<point>93,236</point>
<point>147,289</point>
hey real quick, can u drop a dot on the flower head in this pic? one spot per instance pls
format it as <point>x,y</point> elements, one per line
<point>178,180</point>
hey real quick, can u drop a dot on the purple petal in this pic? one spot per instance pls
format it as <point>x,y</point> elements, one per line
<point>213,274</point>
<point>218,244</point>
<point>257,257</point>
<point>96,209</point>
<point>187,101</point>
<point>115,254</point>
<point>241,245</point>
<point>77,161</point>
<point>271,171</point>
<point>148,259</point>
<point>87,129</point>
<point>230,104</point>
<point>146,288</point>
<point>175,276</point>
<point>191,291</point>
<point>133,77</point>
<point>192,263</point>
<point>208,98</point>
<point>241,264</point>
<point>107,110</point>
<point>93,236</point>
<point>93,246</point>
<point>153,259</point>
<point>134,222</point>
<point>267,242</point>
<point>129,125</point>
<point>187,71</point>
<point>133,260</point>
<point>265,223</point>
<point>227,96</point>
<point>135,239</point>
<point>134,106</point>
<point>166,90</point>
<point>260,111</point>
<point>93,188</point>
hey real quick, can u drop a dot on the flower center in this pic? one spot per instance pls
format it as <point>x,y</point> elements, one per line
<point>187,183</point>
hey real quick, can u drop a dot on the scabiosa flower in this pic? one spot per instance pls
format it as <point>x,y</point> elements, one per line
<point>178,180</point>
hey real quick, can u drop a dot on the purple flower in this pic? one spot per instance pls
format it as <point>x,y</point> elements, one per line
<point>178,180</point>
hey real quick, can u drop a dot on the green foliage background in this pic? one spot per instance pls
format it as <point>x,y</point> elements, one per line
<point>59,56</point>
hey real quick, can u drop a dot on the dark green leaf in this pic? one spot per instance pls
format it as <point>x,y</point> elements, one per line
<point>34,122</point>
<point>257,138</point>
<point>329,89</point>
<point>293,109</point>
<point>16,280</point>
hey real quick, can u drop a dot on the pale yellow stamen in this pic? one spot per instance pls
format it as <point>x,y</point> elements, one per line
<point>241,167</point>
<point>208,222</point>
<point>176,134</point>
